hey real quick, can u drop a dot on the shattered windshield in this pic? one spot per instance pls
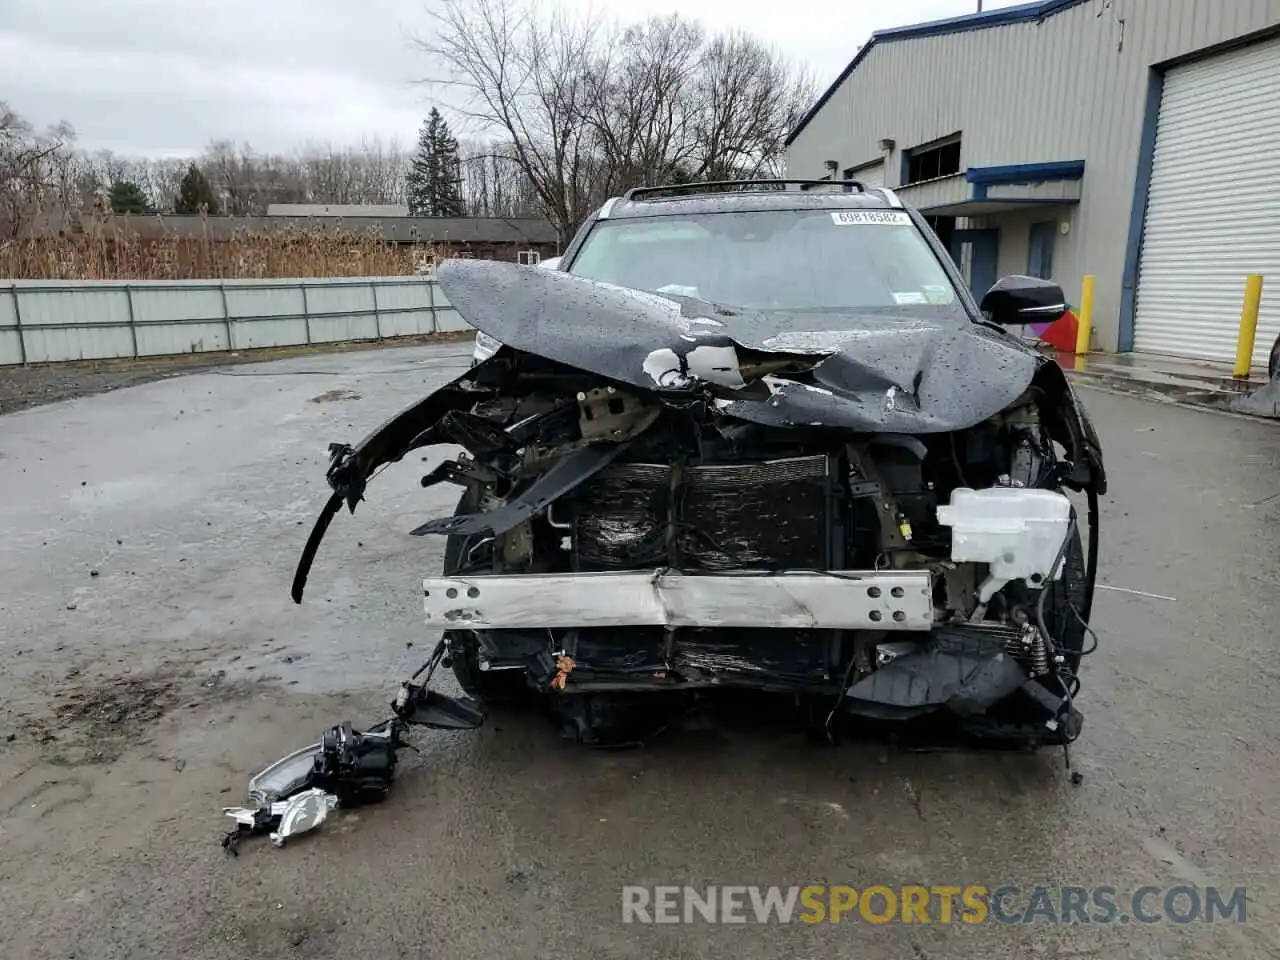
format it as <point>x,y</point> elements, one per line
<point>803,260</point>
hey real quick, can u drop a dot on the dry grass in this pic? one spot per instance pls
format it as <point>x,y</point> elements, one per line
<point>147,249</point>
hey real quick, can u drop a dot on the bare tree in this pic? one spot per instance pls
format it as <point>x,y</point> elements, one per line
<point>589,110</point>
<point>493,182</point>
<point>746,98</point>
<point>328,174</point>
<point>42,173</point>
<point>382,171</point>
<point>570,110</point>
<point>642,110</point>
<point>529,77</point>
<point>95,172</point>
<point>232,183</point>
<point>32,166</point>
<point>162,179</point>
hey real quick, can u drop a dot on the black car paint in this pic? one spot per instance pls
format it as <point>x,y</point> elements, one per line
<point>1016,300</point>
<point>871,373</point>
<point>877,373</point>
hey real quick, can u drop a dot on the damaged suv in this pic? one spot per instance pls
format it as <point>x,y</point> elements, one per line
<point>757,435</point>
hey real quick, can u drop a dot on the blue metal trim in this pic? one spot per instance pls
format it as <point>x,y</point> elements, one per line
<point>1023,13</point>
<point>1025,173</point>
<point>1138,212</point>
<point>1028,201</point>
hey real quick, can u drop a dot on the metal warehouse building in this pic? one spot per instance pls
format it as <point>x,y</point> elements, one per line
<point>1135,140</point>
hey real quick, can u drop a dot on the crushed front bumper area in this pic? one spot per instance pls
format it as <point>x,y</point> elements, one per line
<point>593,633</point>
<point>836,600</point>
<point>989,677</point>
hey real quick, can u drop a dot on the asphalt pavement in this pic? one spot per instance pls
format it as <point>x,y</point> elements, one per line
<point>152,661</point>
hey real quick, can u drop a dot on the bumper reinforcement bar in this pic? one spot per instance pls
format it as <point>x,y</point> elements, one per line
<point>836,600</point>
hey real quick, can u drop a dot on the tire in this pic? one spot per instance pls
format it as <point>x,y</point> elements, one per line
<point>464,645</point>
<point>1273,364</point>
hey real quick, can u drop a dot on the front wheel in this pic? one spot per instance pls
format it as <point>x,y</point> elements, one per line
<point>464,645</point>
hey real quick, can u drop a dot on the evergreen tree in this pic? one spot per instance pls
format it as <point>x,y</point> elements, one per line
<point>418,180</point>
<point>449,200</point>
<point>125,196</point>
<point>434,180</point>
<point>195,193</point>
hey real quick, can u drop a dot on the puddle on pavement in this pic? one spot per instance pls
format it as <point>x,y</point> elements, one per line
<point>331,396</point>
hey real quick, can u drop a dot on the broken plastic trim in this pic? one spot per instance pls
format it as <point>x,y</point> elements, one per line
<point>351,467</point>
<point>301,812</point>
<point>963,670</point>
<point>346,767</point>
<point>567,473</point>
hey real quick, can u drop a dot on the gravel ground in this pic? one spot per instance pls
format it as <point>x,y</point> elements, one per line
<point>29,386</point>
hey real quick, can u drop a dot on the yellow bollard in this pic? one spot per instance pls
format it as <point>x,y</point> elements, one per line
<point>1248,326</point>
<point>1084,326</point>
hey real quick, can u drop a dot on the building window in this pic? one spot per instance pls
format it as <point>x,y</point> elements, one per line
<point>931,161</point>
<point>529,258</point>
<point>1040,253</point>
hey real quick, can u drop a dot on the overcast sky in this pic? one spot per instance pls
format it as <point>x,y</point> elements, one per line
<point>165,77</point>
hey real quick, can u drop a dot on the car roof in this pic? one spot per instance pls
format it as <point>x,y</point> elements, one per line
<point>747,197</point>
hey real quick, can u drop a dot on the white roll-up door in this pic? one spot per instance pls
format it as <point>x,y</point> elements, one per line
<point>869,176</point>
<point>1213,209</point>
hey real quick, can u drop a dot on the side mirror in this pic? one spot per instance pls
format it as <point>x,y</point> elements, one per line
<point>1017,300</point>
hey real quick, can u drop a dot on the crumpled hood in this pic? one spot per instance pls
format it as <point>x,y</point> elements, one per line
<point>871,373</point>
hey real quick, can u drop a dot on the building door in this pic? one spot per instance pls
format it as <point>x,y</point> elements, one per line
<point>976,253</point>
<point>943,228</point>
<point>1213,211</point>
<point>1040,258</point>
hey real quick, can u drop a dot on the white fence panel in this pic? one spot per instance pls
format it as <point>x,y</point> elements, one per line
<point>266,313</point>
<point>340,310</point>
<point>447,318</point>
<point>44,321</point>
<point>198,308</point>
<point>11,346</point>
<point>404,306</point>
<point>75,321</point>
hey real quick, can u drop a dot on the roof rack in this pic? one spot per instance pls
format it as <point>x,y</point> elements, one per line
<point>676,191</point>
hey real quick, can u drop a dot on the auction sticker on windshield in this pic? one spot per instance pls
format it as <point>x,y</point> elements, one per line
<point>893,218</point>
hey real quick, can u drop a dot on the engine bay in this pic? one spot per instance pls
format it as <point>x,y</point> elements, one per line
<point>689,499</point>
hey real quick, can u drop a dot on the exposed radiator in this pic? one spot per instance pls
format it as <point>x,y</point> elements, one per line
<point>769,515</point>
